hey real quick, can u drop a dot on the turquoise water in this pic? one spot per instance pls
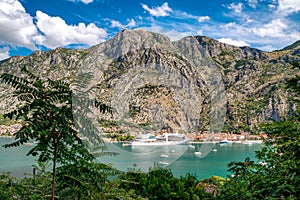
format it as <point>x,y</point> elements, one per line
<point>14,160</point>
<point>215,163</point>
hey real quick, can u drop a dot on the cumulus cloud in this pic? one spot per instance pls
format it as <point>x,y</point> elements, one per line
<point>161,11</point>
<point>4,53</point>
<point>287,7</point>
<point>266,48</point>
<point>203,18</point>
<point>199,32</point>
<point>87,1</point>
<point>131,23</point>
<point>271,6</point>
<point>184,15</point>
<point>17,27</point>
<point>229,25</point>
<point>238,43</point>
<point>56,33</point>
<point>237,8</point>
<point>276,28</point>
<point>117,24</point>
<point>252,3</point>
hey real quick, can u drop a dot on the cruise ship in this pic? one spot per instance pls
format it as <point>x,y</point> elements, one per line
<point>152,140</point>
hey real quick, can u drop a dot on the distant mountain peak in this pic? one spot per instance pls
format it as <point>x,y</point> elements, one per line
<point>129,40</point>
<point>292,46</point>
<point>155,82</point>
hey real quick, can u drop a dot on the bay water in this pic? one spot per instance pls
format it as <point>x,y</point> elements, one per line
<point>14,159</point>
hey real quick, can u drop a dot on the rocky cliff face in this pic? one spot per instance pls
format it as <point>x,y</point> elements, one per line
<point>193,84</point>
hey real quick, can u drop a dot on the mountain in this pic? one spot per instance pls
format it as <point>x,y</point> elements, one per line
<point>153,83</point>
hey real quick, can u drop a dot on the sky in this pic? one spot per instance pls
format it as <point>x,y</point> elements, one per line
<point>30,25</point>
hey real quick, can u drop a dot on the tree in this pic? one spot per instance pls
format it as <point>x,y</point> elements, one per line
<point>277,174</point>
<point>160,184</point>
<point>47,117</point>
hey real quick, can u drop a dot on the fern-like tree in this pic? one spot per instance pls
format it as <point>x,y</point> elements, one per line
<point>47,118</point>
<point>277,176</point>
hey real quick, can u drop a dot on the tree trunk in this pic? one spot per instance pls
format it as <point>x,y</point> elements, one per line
<point>54,171</point>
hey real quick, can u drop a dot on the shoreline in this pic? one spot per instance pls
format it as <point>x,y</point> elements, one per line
<point>7,136</point>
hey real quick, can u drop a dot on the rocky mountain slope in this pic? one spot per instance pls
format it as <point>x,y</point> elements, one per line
<point>193,84</point>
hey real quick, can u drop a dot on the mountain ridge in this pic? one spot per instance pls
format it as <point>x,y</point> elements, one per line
<point>251,78</point>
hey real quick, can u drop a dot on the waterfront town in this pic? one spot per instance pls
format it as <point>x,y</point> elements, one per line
<point>8,131</point>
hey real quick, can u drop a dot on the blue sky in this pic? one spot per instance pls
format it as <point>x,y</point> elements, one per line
<point>29,25</point>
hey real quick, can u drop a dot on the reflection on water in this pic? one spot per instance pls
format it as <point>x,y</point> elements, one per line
<point>143,157</point>
<point>180,158</point>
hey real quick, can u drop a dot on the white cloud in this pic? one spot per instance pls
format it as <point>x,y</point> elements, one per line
<point>117,24</point>
<point>238,43</point>
<point>17,27</point>
<point>131,23</point>
<point>228,25</point>
<point>203,18</point>
<point>183,15</point>
<point>4,53</point>
<point>266,48</point>
<point>287,7</point>
<point>87,1</point>
<point>83,1</point>
<point>177,14</point>
<point>161,11</point>
<point>57,33</point>
<point>271,6</point>
<point>252,3</point>
<point>272,35</point>
<point>199,32</point>
<point>237,8</point>
<point>276,29</point>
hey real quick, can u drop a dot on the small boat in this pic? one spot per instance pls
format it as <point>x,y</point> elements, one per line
<point>225,141</point>
<point>197,153</point>
<point>172,151</point>
<point>214,150</point>
<point>28,144</point>
<point>191,146</point>
<point>248,142</point>
<point>163,163</point>
<point>126,144</point>
<point>164,155</point>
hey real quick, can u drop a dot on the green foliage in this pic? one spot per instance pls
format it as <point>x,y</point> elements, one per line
<point>89,180</point>
<point>241,63</point>
<point>48,118</point>
<point>277,175</point>
<point>107,123</point>
<point>6,121</point>
<point>120,137</point>
<point>83,180</point>
<point>229,53</point>
<point>133,110</point>
<point>32,188</point>
<point>161,184</point>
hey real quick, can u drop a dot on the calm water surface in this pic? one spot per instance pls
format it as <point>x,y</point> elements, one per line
<point>215,163</point>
